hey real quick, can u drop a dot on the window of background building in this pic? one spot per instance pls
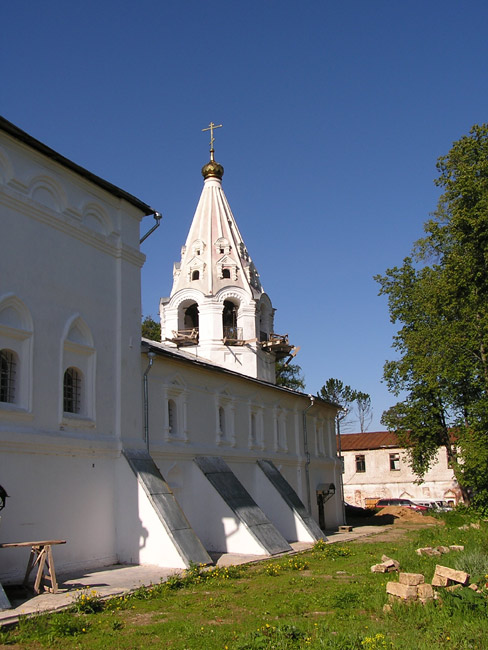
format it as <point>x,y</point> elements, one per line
<point>394,462</point>
<point>360,463</point>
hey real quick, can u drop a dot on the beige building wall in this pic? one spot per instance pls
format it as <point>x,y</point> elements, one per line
<point>385,473</point>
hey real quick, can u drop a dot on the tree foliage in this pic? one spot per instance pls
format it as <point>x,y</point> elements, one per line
<point>151,329</point>
<point>439,298</point>
<point>351,401</point>
<point>289,375</point>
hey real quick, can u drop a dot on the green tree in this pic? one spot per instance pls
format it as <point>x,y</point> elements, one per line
<point>289,375</point>
<point>439,297</point>
<point>151,329</point>
<point>334,390</point>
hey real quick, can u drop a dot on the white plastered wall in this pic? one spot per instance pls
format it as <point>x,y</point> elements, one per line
<point>141,537</point>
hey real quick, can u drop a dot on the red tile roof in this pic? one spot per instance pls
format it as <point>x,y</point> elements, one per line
<point>369,440</point>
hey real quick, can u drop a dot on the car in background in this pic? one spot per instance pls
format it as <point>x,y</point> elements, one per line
<point>404,503</point>
<point>439,505</point>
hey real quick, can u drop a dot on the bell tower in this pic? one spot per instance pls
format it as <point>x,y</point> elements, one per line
<point>218,310</point>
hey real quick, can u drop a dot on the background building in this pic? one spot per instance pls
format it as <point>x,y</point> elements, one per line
<point>376,467</point>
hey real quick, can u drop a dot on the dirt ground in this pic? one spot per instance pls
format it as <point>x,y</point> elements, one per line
<point>395,522</point>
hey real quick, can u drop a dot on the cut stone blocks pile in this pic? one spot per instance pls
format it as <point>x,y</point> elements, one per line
<point>438,550</point>
<point>412,586</point>
<point>387,565</point>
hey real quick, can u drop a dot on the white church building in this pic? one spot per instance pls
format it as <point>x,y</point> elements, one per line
<point>143,452</point>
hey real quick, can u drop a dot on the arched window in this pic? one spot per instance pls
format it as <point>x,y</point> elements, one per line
<point>72,387</point>
<point>8,367</point>
<point>222,420</point>
<point>226,273</point>
<point>195,275</point>
<point>172,418</point>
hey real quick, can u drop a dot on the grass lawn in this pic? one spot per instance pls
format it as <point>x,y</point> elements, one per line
<point>324,598</point>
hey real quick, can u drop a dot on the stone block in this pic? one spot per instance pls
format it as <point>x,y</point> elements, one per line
<point>390,562</point>
<point>454,587</point>
<point>477,526</point>
<point>474,587</point>
<point>405,592</point>
<point>439,581</point>
<point>456,547</point>
<point>425,592</point>
<point>443,549</point>
<point>379,568</point>
<point>427,550</point>
<point>451,574</point>
<point>412,579</point>
<point>345,529</point>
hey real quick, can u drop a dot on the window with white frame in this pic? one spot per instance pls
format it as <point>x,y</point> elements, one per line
<point>281,441</point>
<point>225,419</point>
<point>175,417</point>
<point>172,418</point>
<point>78,373</point>
<point>16,335</point>
<point>256,427</point>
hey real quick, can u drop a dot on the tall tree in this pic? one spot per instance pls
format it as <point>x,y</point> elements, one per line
<point>363,410</point>
<point>439,297</point>
<point>289,375</point>
<point>334,390</point>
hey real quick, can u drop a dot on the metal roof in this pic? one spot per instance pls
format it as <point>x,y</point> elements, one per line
<point>27,139</point>
<point>369,440</point>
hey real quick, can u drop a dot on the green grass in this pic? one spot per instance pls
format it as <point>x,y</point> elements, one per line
<point>326,598</point>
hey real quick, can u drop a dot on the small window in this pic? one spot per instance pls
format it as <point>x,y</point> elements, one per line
<point>360,463</point>
<point>221,250</point>
<point>8,367</point>
<point>72,391</point>
<point>253,429</point>
<point>226,273</point>
<point>394,462</point>
<point>172,417</point>
<point>195,275</point>
<point>222,420</point>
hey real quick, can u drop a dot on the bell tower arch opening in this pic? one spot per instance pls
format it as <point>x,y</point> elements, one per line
<point>229,321</point>
<point>188,322</point>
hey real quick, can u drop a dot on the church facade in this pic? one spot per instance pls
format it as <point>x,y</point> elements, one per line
<point>159,453</point>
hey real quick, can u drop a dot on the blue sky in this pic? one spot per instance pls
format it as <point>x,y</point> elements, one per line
<point>334,114</point>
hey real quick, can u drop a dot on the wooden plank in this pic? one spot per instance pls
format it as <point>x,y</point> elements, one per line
<point>49,542</point>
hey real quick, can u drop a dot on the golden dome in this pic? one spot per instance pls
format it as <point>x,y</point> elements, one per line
<point>212,169</point>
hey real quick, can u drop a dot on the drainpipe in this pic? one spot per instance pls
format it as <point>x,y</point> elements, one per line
<point>150,356</point>
<point>338,421</point>
<point>307,453</point>
<point>157,217</point>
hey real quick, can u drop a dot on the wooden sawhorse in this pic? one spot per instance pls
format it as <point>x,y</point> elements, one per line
<point>41,555</point>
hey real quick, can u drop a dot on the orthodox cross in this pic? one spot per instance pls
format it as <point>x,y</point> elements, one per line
<point>211,128</point>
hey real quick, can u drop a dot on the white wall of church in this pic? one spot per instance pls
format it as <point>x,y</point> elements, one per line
<point>69,297</point>
<point>222,414</point>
